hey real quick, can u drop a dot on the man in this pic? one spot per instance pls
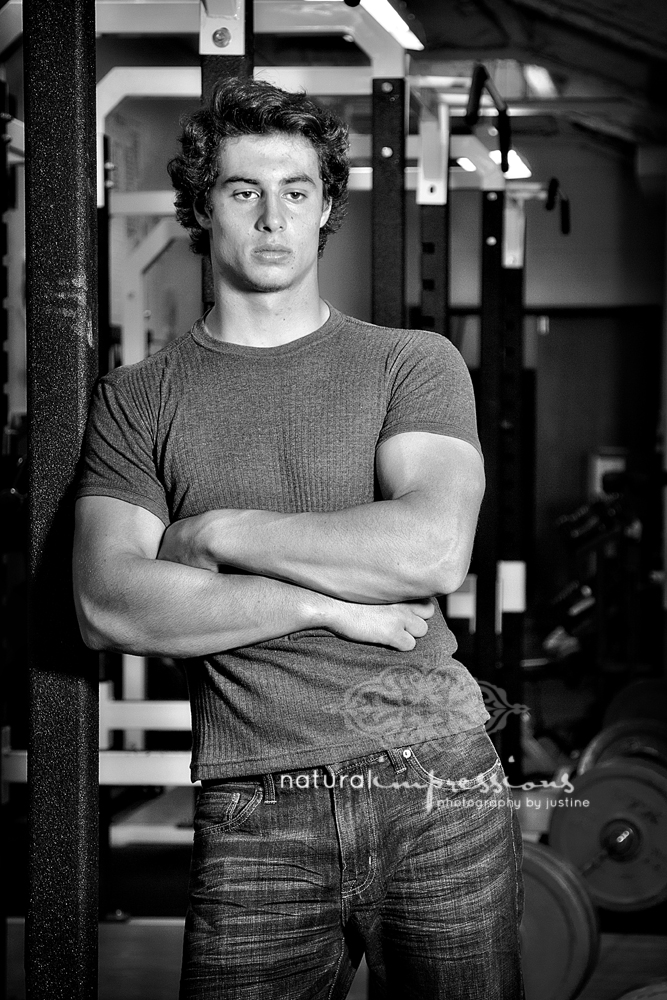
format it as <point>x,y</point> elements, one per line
<point>276,497</point>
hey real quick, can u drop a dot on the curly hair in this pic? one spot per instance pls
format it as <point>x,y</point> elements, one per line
<point>253,107</point>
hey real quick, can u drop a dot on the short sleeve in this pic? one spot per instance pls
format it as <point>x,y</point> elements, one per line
<point>430,390</point>
<point>119,452</point>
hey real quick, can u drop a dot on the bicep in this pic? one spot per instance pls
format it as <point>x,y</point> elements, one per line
<point>106,529</point>
<point>444,470</point>
<point>110,538</point>
<point>439,482</point>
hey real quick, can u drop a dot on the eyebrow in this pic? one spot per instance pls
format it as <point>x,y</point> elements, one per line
<point>296,179</point>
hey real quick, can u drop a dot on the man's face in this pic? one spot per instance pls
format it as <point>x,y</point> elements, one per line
<point>265,212</point>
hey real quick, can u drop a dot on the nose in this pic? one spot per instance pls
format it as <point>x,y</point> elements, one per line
<point>272,216</point>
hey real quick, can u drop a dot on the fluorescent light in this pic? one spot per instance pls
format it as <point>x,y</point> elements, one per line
<point>392,22</point>
<point>467,164</point>
<point>518,168</point>
<point>540,81</point>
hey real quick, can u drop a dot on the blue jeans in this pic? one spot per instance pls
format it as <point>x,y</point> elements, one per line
<point>411,855</point>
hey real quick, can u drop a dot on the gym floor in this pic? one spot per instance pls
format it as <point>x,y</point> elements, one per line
<point>140,956</point>
<point>140,959</point>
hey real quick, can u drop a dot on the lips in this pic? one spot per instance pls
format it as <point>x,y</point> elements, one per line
<point>271,248</point>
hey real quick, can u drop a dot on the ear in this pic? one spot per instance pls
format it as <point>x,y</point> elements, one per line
<point>326,212</point>
<point>202,211</point>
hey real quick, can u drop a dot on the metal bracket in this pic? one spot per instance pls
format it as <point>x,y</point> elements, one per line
<point>462,603</point>
<point>510,590</point>
<point>514,231</point>
<point>222,8</point>
<point>139,81</point>
<point>510,594</point>
<point>434,159</point>
<point>491,177</point>
<point>6,739</point>
<point>16,137</point>
<point>222,28</point>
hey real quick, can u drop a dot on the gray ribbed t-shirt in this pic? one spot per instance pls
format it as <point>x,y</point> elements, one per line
<point>204,425</point>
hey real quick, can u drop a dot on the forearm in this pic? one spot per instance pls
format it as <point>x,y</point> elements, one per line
<point>378,552</point>
<point>415,543</point>
<point>157,608</point>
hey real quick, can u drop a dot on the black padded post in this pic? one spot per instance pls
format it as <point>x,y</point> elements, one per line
<point>61,273</point>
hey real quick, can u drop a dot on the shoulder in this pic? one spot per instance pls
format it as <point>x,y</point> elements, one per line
<point>405,354</point>
<point>137,395</point>
<point>150,372</point>
<point>395,341</point>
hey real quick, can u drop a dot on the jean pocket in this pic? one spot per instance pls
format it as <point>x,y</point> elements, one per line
<point>464,761</point>
<point>226,806</point>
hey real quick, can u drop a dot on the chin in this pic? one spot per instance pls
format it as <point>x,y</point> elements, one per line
<point>266,285</point>
<point>266,288</point>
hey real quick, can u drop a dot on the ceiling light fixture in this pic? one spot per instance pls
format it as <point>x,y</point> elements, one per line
<point>540,81</point>
<point>466,164</point>
<point>392,22</point>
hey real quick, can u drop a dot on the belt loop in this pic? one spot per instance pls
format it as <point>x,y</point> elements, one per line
<point>269,787</point>
<point>399,764</point>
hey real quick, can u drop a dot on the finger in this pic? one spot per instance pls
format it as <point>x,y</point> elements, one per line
<point>425,609</point>
<point>406,642</point>
<point>417,626</point>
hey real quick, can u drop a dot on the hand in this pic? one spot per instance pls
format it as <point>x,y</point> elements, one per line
<point>396,625</point>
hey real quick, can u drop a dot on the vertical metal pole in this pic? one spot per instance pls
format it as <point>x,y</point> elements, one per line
<point>5,117</point>
<point>503,530</point>
<point>663,400</point>
<point>213,69</point>
<point>5,183</point>
<point>513,525</point>
<point>388,201</point>
<point>487,546</point>
<point>435,268</point>
<point>103,266</point>
<point>61,272</point>
<point>433,199</point>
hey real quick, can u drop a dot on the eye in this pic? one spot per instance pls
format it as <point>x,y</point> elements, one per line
<point>246,195</point>
<point>296,196</point>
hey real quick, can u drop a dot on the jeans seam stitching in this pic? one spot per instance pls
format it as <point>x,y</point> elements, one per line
<point>339,963</point>
<point>346,895</point>
<point>227,825</point>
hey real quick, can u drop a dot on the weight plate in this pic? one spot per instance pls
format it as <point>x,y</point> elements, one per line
<point>637,738</point>
<point>646,699</point>
<point>654,991</point>
<point>613,828</point>
<point>559,933</point>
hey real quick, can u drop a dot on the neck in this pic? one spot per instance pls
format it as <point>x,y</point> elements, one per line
<point>265,319</point>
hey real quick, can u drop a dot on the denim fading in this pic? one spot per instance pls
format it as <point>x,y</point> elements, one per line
<point>411,855</point>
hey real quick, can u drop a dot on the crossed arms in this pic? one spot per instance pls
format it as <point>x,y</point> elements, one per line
<point>365,573</point>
